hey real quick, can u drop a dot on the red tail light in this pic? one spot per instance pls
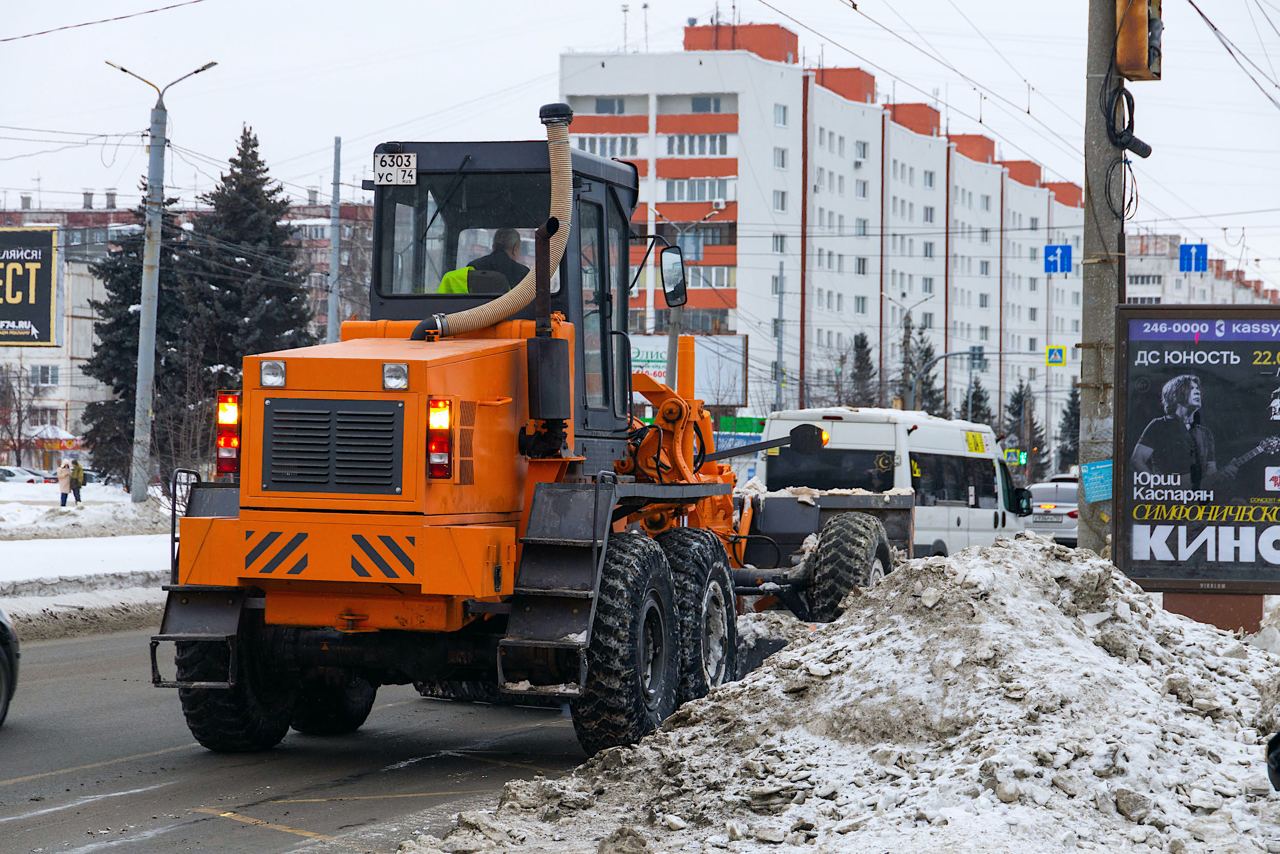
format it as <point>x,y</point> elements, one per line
<point>439,439</point>
<point>228,434</point>
<point>1073,514</point>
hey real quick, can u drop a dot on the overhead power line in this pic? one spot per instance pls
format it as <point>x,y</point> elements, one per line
<point>99,21</point>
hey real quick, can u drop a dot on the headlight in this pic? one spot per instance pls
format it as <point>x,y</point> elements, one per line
<point>395,376</point>
<point>271,374</point>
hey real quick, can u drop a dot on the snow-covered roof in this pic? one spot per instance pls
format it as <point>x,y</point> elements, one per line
<point>871,413</point>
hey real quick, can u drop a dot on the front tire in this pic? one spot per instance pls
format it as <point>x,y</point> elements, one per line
<point>334,707</point>
<point>853,551</point>
<point>705,607</point>
<point>633,659</point>
<point>6,684</point>
<point>251,716</point>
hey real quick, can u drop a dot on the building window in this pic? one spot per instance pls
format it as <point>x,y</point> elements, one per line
<point>779,158</point>
<point>775,284</point>
<point>860,266</point>
<point>711,277</point>
<point>861,149</point>
<point>840,185</point>
<point>780,243</point>
<point>1035,223</point>
<point>926,284</point>
<point>697,190</point>
<point>984,235</point>
<point>822,136</point>
<point>984,300</point>
<point>780,201</point>
<point>927,213</point>
<point>840,147</point>
<point>861,189</point>
<point>986,202</point>
<point>840,297</point>
<point>706,104</point>
<point>928,249</point>
<point>780,115</point>
<point>929,178</point>
<point>1031,312</point>
<point>43,375</point>
<point>984,333</point>
<point>1032,284</point>
<point>1032,346</point>
<point>926,320</point>
<point>42,417</point>
<point>860,226</point>
<point>860,305</point>
<point>697,144</point>
<point>609,106</point>
<point>610,146</point>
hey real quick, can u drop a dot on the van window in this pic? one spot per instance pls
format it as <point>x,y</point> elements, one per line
<point>831,468</point>
<point>982,477</point>
<point>1006,481</point>
<point>939,477</point>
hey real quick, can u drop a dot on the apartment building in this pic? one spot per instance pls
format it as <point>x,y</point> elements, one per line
<point>772,175</point>
<point>1152,277</point>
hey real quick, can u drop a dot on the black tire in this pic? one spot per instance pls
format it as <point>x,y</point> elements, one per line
<point>853,551</point>
<point>6,684</point>
<point>705,607</point>
<point>334,707</point>
<point>254,715</point>
<point>633,668</point>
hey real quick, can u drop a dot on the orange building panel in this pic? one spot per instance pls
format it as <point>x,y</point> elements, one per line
<point>712,298</point>
<point>920,118</point>
<point>698,123</point>
<point>698,167</point>
<point>852,83</point>
<point>610,124</point>
<point>1067,193</point>
<point>768,41</point>
<point>725,255</point>
<point>694,211</point>
<point>975,146</point>
<point>1023,171</point>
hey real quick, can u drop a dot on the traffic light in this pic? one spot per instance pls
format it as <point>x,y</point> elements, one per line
<point>1022,458</point>
<point>1139,28</point>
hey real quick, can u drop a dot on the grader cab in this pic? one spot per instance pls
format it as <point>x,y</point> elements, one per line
<point>457,494</point>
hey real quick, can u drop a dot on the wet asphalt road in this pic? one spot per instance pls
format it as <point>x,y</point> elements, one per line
<point>93,758</point>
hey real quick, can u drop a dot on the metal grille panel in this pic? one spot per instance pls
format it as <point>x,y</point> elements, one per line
<point>352,446</point>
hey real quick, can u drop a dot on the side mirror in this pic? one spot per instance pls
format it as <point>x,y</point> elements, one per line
<point>806,439</point>
<point>1022,500</point>
<point>671,273</point>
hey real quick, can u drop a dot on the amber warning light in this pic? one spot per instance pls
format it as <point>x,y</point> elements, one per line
<point>228,433</point>
<point>439,439</point>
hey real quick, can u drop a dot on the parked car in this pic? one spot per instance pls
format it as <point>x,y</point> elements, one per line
<point>41,475</point>
<point>1054,511</point>
<point>8,663</point>
<point>964,493</point>
<point>13,474</point>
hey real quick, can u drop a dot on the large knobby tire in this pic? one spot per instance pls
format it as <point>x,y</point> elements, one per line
<point>334,707</point>
<point>705,607</point>
<point>633,659</point>
<point>853,551</point>
<point>253,715</point>
<point>6,684</point>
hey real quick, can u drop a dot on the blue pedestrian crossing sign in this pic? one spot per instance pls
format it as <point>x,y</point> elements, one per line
<point>1193,258</point>
<point>1055,356</point>
<point>1057,258</point>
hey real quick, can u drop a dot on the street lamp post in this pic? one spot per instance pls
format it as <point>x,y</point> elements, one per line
<point>675,314</point>
<point>142,413</point>
<point>907,309</point>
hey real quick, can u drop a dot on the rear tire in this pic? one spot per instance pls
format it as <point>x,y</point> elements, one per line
<point>254,715</point>
<point>705,607</point>
<point>334,707</point>
<point>633,659</point>
<point>6,684</point>
<point>853,551</point>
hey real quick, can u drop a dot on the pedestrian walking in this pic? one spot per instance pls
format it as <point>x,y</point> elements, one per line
<point>77,480</point>
<point>64,480</point>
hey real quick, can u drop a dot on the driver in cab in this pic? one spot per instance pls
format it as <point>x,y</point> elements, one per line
<point>503,260</point>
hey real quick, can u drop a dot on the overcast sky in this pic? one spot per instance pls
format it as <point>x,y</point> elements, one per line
<point>301,73</point>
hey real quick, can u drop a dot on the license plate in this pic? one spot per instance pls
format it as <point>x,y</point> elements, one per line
<point>395,169</point>
<point>1047,517</point>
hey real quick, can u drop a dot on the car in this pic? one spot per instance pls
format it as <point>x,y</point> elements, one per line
<point>40,475</point>
<point>14,474</point>
<point>1054,511</point>
<point>8,663</point>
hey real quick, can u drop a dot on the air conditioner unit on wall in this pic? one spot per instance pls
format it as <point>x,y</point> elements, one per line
<point>717,204</point>
<point>857,163</point>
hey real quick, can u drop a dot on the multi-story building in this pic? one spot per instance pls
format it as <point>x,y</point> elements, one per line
<point>1152,277</point>
<point>775,176</point>
<point>310,223</point>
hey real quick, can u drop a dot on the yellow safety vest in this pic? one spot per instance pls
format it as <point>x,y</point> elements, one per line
<point>454,281</point>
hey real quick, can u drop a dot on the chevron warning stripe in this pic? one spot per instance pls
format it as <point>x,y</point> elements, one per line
<point>392,560</point>
<point>267,553</point>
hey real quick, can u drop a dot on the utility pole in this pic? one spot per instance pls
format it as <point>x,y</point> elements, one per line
<point>139,473</point>
<point>781,326</point>
<point>335,248</point>
<point>1102,269</point>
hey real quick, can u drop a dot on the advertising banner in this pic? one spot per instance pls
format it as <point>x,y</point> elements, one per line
<point>28,272</point>
<point>1197,462</point>
<point>720,365</point>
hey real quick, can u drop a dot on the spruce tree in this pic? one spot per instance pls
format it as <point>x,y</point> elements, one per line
<point>1069,432</point>
<point>1020,420</point>
<point>975,406</point>
<point>109,433</point>
<point>929,397</point>
<point>863,389</point>
<point>248,273</point>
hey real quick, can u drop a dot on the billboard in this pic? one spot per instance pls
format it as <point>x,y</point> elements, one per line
<point>720,365</point>
<point>28,265</point>
<point>1197,462</point>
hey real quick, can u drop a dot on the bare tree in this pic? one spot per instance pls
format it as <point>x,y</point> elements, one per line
<point>18,397</point>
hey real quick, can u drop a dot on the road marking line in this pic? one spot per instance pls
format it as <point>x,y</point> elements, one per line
<point>80,802</point>
<point>28,778</point>
<point>381,797</point>
<point>257,822</point>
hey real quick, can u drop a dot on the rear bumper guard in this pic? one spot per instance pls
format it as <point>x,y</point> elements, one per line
<point>160,682</point>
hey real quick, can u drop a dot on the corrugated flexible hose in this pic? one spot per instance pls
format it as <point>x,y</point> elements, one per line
<point>556,117</point>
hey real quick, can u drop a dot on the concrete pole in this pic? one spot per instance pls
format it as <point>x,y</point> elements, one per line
<point>335,243</point>
<point>140,470</point>
<point>780,372</point>
<point>1103,271</point>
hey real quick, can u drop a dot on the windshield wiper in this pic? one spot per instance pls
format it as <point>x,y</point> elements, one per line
<point>457,182</point>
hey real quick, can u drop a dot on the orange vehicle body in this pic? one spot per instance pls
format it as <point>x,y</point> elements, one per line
<point>400,561</point>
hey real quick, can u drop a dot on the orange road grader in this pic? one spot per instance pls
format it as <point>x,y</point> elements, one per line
<point>457,494</point>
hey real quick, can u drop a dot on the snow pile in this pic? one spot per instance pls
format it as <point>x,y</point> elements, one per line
<point>21,521</point>
<point>807,494</point>
<point>1015,698</point>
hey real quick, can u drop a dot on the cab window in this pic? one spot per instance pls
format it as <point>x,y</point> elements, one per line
<point>939,477</point>
<point>594,301</point>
